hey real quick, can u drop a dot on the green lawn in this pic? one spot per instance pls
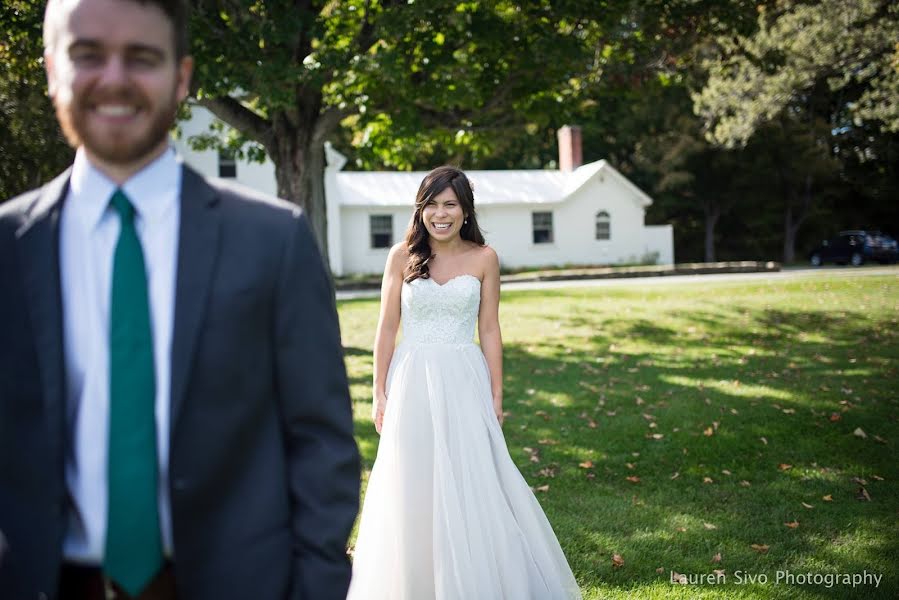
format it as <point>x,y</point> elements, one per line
<point>675,423</point>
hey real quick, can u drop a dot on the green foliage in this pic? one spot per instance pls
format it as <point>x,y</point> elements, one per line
<point>32,149</point>
<point>847,48</point>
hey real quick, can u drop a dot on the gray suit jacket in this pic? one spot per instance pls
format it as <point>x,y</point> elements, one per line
<point>263,468</point>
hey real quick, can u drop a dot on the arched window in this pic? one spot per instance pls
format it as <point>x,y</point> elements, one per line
<point>603,225</point>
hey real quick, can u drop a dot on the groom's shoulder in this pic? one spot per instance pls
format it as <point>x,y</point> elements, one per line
<point>18,209</point>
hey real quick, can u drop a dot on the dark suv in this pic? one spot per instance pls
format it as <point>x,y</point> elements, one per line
<point>855,248</point>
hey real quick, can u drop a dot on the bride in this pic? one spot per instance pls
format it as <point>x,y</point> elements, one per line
<point>447,515</point>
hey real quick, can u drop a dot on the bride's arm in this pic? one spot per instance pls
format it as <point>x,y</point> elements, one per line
<point>488,329</point>
<point>388,325</point>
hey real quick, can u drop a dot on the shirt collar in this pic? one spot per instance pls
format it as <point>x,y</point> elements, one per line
<point>153,190</point>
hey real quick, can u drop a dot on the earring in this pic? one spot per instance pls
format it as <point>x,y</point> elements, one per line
<point>465,222</point>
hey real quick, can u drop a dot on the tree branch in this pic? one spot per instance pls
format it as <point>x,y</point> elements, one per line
<point>326,123</point>
<point>243,119</point>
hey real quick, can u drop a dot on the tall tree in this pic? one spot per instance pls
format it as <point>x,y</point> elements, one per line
<point>811,70</point>
<point>439,77</point>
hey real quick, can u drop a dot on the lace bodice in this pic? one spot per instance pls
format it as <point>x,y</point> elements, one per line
<point>440,314</point>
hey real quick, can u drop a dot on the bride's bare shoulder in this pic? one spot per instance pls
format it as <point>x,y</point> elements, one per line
<point>397,257</point>
<point>399,249</point>
<point>487,256</point>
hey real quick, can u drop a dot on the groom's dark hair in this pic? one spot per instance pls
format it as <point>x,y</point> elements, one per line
<point>177,11</point>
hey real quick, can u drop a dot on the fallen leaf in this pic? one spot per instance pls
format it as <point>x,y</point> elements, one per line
<point>805,504</point>
<point>617,561</point>
<point>784,467</point>
<point>630,466</point>
<point>660,570</point>
<point>547,442</point>
<point>726,472</point>
<point>633,478</point>
<point>587,464</point>
<point>709,526</point>
<point>760,548</point>
<point>676,475</point>
<point>708,480</point>
<point>718,572</point>
<point>678,577</point>
<point>863,495</point>
<point>877,477</point>
<point>716,558</point>
<point>764,440</point>
<point>745,483</point>
<point>708,432</point>
<point>834,417</point>
<point>682,529</point>
<point>792,524</point>
<point>542,488</point>
<point>880,439</point>
<point>859,432</point>
<point>827,498</point>
<point>657,436</point>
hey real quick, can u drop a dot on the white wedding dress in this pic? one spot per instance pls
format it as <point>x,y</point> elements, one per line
<point>447,515</point>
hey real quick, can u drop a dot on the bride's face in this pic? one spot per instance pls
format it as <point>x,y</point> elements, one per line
<point>443,216</point>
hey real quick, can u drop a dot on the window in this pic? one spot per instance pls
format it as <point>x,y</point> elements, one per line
<point>543,227</point>
<point>603,225</point>
<point>227,164</point>
<point>381,231</point>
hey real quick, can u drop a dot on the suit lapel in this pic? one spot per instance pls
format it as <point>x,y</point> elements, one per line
<point>38,244</point>
<point>198,246</point>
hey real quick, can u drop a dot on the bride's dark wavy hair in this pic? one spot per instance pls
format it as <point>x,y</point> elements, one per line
<point>417,236</point>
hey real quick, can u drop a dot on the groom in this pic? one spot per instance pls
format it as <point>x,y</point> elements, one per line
<point>174,412</point>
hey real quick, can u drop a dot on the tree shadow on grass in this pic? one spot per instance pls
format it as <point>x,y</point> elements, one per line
<point>554,392</point>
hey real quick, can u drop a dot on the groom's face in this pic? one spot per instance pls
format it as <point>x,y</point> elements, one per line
<point>114,77</point>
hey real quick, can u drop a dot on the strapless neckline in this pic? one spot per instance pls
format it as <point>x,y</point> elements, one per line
<point>452,279</point>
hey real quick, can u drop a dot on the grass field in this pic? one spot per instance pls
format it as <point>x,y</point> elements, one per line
<point>749,428</point>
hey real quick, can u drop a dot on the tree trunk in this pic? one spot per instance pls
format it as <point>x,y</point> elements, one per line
<point>300,175</point>
<point>791,226</point>
<point>789,250</point>
<point>294,141</point>
<point>712,213</point>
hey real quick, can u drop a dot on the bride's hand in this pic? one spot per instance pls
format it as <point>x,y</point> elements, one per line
<point>498,411</point>
<point>380,401</point>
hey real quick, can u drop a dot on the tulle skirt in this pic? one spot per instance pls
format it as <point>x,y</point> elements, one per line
<point>447,515</point>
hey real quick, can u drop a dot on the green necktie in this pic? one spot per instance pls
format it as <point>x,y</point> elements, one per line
<point>133,539</point>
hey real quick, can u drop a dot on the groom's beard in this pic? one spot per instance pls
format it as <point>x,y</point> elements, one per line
<point>117,145</point>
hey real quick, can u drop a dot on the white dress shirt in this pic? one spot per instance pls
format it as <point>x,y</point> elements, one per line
<point>89,230</point>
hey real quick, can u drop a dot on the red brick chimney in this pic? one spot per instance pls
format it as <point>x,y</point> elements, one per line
<point>570,155</point>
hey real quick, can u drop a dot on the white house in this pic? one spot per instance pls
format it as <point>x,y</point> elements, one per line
<point>579,215</point>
